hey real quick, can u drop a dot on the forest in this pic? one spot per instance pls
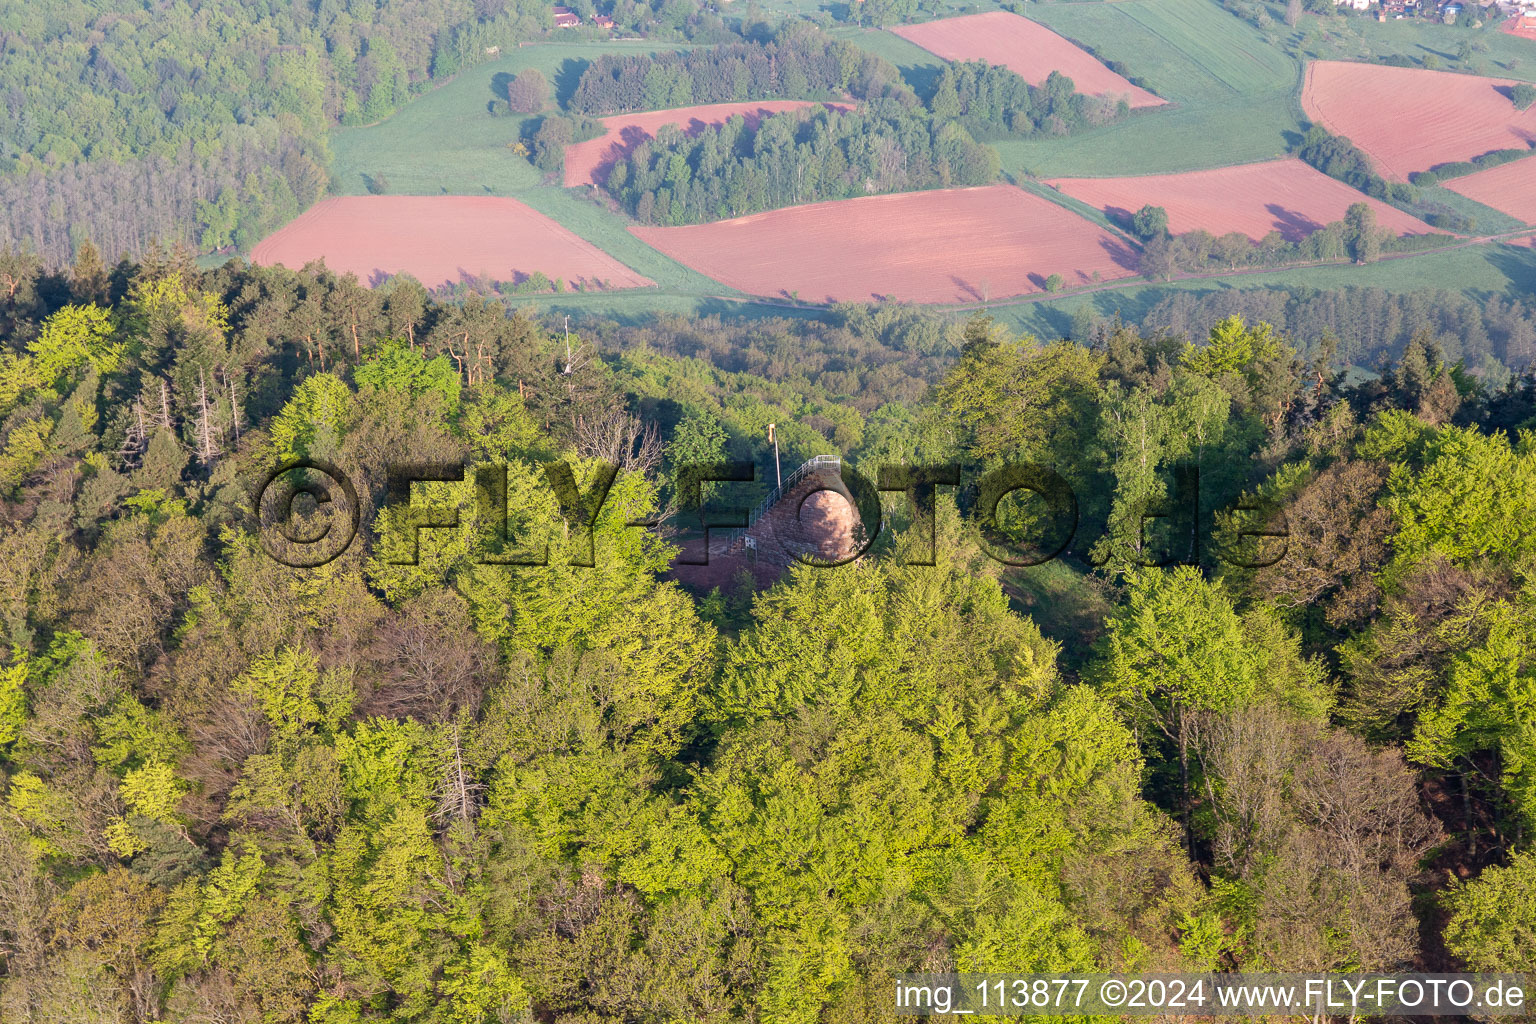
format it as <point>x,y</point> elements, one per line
<point>793,158</point>
<point>439,789</point>
<point>798,61</point>
<point>993,102</point>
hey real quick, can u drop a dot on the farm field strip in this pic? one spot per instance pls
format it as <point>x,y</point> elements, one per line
<point>1211,122</point>
<point>941,246</point>
<point>1028,48</point>
<point>1278,195</point>
<point>1410,119</point>
<point>1509,188</point>
<point>1218,42</point>
<point>1246,130</point>
<point>440,240</point>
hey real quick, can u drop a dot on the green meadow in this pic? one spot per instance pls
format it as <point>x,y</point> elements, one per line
<point>447,142</point>
<point>1232,94</point>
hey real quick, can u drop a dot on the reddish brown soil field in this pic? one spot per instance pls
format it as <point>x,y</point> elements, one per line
<point>1027,48</point>
<point>440,240</point>
<point>1408,119</point>
<point>950,245</point>
<point>1280,195</point>
<point>1509,188</point>
<point>587,163</point>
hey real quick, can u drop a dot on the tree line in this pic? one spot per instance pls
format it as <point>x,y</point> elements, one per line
<point>891,143</point>
<point>231,195</point>
<point>1339,158</point>
<point>1356,236</point>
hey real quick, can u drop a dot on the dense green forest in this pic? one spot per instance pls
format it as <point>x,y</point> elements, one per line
<point>132,123</point>
<point>993,101</point>
<point>1366,327</point>
<point>457,791</point>
<point>795,157</point>
<point>798,61</point>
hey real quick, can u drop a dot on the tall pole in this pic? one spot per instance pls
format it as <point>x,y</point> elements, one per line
<point>778,475</point>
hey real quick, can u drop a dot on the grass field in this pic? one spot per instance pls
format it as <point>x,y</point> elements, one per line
<point>1352,37</point>
<point>1232,93</point>
<point>919,67</point>
<point>1488,221</point>
<point>447,142</point>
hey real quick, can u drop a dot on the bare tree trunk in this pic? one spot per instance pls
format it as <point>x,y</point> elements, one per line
<point>165,404</point>
<point>1189,839</point>
<point>234,410</point>
<point>207,447</point>
<point>1466,817</point>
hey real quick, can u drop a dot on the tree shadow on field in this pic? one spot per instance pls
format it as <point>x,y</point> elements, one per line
<point>1058,320</point>
<point>1293,140</point>
<point>1293,226</point>
<point>1442,54</point>
<point>969,289</point>
<point>567,78</point>
<point>630,138</point>
<point>1517,263</point>
<point>1122,254</point>
<point>499,82</point>
<point>529,127</point>
<point>923,78</point>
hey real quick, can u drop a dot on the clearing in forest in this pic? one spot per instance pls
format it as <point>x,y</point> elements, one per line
<point>1287,196</point>
<point>1409,119</point>
<point>1027,48</point>
<point>941,246</point>
<point>441,240</point>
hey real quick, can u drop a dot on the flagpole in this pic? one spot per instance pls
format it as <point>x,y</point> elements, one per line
<point>778,475</point>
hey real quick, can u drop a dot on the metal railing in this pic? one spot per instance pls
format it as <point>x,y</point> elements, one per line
<point>809,466</point>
